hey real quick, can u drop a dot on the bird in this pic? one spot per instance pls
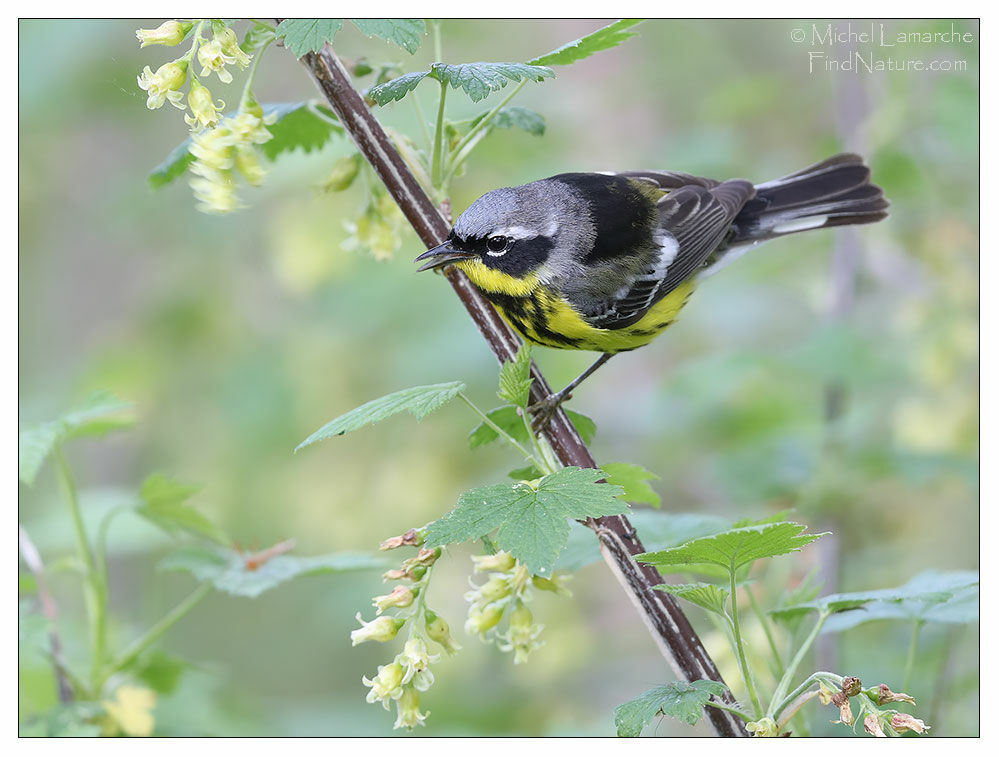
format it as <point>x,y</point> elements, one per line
<point>606,261</point>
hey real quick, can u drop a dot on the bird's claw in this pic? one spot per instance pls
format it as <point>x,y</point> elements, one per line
<point>545,410</point>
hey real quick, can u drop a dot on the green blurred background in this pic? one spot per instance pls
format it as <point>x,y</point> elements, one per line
<point>237,336</point>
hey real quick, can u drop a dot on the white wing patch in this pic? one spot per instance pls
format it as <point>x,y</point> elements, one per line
<point>800,224</point>
<point>669,248</point>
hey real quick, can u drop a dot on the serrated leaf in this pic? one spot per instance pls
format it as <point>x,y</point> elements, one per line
<point>602,39</point>
<point>709,596</point>
<point>930,597</point>
<point>173,165</point>
<point>515,378</point>
<point>396,89</point>
<point>632,479</point>
<point>533,523</point>
<point>680,699</point>
<point>407,33</point>
<point>418,400</point>
<point>163,504</point>
<point>298,127</point>
<point>228,572</point>
<point>734,548</point>
<point>657,530</point>
<point>99,414</point>
<point>307,35</point>
<point>479,80</point>
<point>515,117</point>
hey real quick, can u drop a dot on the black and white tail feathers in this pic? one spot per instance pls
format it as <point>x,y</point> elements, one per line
<point>835,192</point>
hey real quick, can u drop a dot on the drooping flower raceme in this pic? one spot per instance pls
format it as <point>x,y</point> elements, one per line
<point>205,111</point>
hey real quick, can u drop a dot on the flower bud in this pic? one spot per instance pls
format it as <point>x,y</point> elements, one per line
<point>344,172</point>
<point>383,628</point>
<point>437,630</point>
<point>425,557</point>
<point>401,596</point>
<point>901,721</point>
<point>481,619</point>
<point>500,562</point>
<point>168,33</point>
<point>493,589</point>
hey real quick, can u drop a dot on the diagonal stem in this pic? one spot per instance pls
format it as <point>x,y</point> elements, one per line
<point>619,543</point>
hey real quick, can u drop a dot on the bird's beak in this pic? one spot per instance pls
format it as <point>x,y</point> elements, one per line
<point>440,256</point>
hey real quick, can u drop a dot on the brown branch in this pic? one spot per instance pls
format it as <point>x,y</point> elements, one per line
<point>669,626</point>
<point>34,562</point>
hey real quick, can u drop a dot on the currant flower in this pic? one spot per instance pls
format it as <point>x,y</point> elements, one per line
<point>205,111</point>
<point>230,46</point>
<point>383,628</point>
<point>415,660</point>
<point>386,685</point>
<point>213,58</point>
<point>168,33</point>
<point>409,710</point>
<point>521,637</point>
<point>164,84</point>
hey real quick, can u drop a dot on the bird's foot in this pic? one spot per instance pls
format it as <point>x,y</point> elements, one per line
<point>544,410</point>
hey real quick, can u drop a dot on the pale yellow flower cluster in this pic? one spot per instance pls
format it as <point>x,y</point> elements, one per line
<point>224,150</point>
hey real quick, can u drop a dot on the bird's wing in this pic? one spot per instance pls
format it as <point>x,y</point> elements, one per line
<point>694,216</point>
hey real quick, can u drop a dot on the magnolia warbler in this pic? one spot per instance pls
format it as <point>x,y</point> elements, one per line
<point>606,261</point>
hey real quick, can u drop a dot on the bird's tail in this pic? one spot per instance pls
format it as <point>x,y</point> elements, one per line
<point>835,192</point>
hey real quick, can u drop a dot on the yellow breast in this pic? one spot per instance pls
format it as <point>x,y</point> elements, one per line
<point>544,317</point>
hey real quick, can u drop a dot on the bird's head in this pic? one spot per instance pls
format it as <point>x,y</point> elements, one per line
<point>510,230</point>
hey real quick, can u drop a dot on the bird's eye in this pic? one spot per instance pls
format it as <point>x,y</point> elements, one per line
<point>497,244</point>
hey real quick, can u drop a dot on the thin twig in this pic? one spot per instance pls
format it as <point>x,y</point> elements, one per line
<point>33,560</point>
<point>619,543</point>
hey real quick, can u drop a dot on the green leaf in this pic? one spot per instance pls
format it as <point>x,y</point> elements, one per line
<point>173,165</point>
<point>525,474</point>
<point>734,548</point>
<point>515,117</point>
<point>228,572</point>
<point>34,444</point>
<point>602,39</point>
<point>515,378</point>
<point>163,505</point>
<point>307,35</point>
<point>298,126</point>
<point>632,479</point>
<point>396,89</point>
<point>161,672</point>
<point>680,699</point>
<point>407,33</point>
<point>930,597</point>
<point>709,596</point>
<point>479,80</point>
<point>585,425</point>
<point>658,530</point>
<point>507,419</point>
<point>533,523</point>
<point>419,400</point>
<point>99,414</point>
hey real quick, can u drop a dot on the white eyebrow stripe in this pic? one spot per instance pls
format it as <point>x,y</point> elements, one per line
<point>517,232</point>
